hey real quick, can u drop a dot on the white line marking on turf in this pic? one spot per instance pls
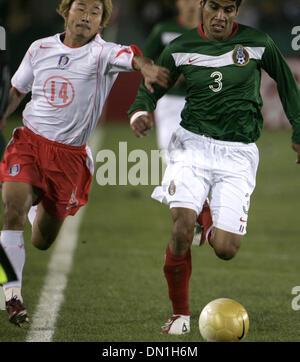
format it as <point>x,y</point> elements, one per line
<point>44,319</point>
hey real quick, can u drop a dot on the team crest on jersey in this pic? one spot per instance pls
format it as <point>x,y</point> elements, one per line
<point>172,188</point>
<point>14,170</point>
<point>240,56</point>
<point>63,61</point>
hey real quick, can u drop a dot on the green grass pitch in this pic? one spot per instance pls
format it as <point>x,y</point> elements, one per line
<point>116,290</point>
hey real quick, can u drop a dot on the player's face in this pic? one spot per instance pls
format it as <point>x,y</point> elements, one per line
<point>218,18</point>
<point>84,19</point>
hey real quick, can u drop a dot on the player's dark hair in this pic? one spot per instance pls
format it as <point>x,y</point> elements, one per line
<point>65,6</point>
<point>238,2</point>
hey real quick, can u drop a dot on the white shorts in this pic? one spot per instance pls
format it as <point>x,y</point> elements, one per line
<point>200,165</point>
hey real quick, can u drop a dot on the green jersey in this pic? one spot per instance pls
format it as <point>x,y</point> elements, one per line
<point>223,83</point>
<point>161,35</point>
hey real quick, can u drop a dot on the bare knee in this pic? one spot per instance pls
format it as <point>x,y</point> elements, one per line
<point>225,244</point>
<point>40,238</point>
<point>226,252</point>
<point>45,229</point>
<point>182,230</point>
<point>17,200</point>
<point>40,243</point>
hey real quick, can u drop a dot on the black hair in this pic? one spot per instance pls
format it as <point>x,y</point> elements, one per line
<point>238,2</point>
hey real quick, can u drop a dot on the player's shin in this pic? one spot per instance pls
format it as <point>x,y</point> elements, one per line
<point>177,270</point>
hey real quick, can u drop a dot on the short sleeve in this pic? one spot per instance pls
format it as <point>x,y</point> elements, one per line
<point>23,78</point>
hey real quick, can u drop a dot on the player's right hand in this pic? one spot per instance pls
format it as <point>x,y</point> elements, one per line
<point>141,125</point>
<point>154,74</point>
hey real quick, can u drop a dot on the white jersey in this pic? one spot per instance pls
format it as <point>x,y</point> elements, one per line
<point>69,85</point>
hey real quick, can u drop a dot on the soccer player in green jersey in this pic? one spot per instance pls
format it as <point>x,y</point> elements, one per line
<point>169,107</point>
<point>214,150</point>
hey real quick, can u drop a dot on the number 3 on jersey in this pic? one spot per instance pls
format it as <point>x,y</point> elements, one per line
<point>59,92</point>
<point>218,76</point>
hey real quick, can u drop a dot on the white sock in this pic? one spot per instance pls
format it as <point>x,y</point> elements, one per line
<point>32,214</point>
<point>13,243</point>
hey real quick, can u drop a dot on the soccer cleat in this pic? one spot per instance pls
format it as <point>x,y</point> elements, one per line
<point>176,325</point>
<point>16,311</point>
<point>203,225</point>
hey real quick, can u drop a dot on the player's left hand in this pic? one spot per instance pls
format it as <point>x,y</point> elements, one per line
<point>296,148</point>
<point>155,74</point>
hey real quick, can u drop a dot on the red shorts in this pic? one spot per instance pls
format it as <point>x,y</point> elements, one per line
<point>63,173</point>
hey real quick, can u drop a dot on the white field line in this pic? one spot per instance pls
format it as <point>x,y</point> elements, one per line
<point>43,322</point>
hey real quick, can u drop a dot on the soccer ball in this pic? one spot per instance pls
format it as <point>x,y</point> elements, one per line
<point>224,320</point>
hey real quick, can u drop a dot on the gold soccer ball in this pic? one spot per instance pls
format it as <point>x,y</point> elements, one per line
<point>224,320</point>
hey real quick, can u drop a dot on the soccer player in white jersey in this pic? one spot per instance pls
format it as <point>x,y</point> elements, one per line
<point>47,162</point>
<point>214,151</point>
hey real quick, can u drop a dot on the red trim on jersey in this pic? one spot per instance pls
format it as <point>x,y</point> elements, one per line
<point>131,49</point>
<point>23,94</point>
<point>62,38</point>
<point>128,51</point>
<point>234,31</point>
<point>136,50</point>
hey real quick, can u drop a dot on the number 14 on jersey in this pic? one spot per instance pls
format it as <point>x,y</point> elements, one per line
<point>59,92</point>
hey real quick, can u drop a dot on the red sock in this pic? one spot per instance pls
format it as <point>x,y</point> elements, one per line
<point>178,270</point>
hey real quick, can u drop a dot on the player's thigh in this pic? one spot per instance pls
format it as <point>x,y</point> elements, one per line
<point>226,244</point>
<point>230,202</point>
<point>45,229</point>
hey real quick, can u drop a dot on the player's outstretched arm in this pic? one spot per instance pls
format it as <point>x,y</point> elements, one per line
<point>296,148</point>
<point>152,73</point>
<point>141,122</point>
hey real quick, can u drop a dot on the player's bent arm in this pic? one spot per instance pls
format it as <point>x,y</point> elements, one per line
<point>14,100</point>
<point>146,100</point>
<point>274,63</point>
<point>152,73</point>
